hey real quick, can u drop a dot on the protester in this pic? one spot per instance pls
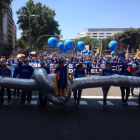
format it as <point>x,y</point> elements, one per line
<point>5,72</point>
<point>26,72</point>
<point>125,72</point>
<point>106,72</point>
<point>16,71</point>
<point>131,69</point>
<point>78,73</point>
<point>42,99</point>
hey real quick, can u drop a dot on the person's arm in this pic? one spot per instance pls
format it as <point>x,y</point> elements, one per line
<point>101,73</point>
<point>73,74</point>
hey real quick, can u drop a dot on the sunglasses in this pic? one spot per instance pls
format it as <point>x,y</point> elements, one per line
<point>25,61</point>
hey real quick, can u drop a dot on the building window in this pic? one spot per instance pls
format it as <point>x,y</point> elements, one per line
<point>94,33</point>
<point>88,33</point>
<point>101,36</point>
<point>89,36</point>
<point>101,33</point>
<point>108,33</point>
<point>108,36</point>
<point>94,36</point>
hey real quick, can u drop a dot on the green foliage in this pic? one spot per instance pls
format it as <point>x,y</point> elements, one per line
<point>42,24</point>
<point>130,37</point>
<point>88,41</point>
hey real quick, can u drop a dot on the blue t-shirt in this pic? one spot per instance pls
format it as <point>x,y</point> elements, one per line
<point>107,72</point>
<point>5,73</point>
<point>79,74</point>
<point>16,72</point>
<point>26,72</point>
<point>127,73</point>
<point>88,63</point>
<point>47,70</point>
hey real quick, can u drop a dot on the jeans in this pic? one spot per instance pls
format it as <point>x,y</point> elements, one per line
<point>23,96</point>
<point>132,89</point>
<point>2,93</point>
<point>105,92</point>
<point>79,96</point>
<point>16,90</point>
<point>123,93</point>
<point>42,100</point>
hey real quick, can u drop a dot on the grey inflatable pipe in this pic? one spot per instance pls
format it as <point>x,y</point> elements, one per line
<point>45,84</point>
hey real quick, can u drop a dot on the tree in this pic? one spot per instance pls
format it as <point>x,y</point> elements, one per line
<point>3,8</point>
<point>88,41</point>
<point>129,37</point>
<point>42,24</point>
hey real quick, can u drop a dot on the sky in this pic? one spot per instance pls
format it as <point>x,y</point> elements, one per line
<point>74,16</point>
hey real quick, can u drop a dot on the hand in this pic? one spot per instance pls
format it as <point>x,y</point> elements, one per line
<point>71,81</point>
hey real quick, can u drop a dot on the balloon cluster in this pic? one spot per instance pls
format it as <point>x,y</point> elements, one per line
<point>80,46</point>
<point>113,45</point>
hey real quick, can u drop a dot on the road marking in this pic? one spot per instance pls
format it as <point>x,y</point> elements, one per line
<point>132,103</point>
<point>32,103</point>
<point>85,97</point>
<point>83,103</point>
<point>107,102</point>
<point>6,103</point>
<point>108,97</point>
<point>33,97</point>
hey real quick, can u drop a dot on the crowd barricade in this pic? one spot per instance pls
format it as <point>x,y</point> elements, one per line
<point>95,68</point>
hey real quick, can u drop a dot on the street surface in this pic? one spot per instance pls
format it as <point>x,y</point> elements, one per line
<point>91,122</point>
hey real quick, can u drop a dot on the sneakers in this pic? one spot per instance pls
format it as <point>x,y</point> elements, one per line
<point>105,107</point>
<point>126,104</point>
<point>74,102</point>
<point>123,104</point>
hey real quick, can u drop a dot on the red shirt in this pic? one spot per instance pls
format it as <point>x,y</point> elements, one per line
<point>131,70</point>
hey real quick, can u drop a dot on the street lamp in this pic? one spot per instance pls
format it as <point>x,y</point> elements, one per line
<point>30,32</point>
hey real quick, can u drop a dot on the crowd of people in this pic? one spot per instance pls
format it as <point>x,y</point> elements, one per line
<point>24,70</point>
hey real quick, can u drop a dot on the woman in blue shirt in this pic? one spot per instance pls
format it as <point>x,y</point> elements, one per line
<point>106,72</point>
<point>78,73</point>
<point>125,73</point>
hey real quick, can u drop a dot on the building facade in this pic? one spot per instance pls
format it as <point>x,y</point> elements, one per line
<point>8,34</point>
<point>100,33</point>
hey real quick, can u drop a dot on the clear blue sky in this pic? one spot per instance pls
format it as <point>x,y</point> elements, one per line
<point>74,16</point>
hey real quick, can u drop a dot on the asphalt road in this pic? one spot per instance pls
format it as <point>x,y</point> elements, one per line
<point>91,122</point>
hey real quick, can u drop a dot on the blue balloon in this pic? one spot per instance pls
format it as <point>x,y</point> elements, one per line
<point>128,45</point>
<point>113,45</point>
<point>54,53</point>
<point>70,52</point>
<point>64,50</point>
<point>112,53</point>
<point>86,51</point>
<point>52,42</point>
<point>89,52</point>
<point>60,46</point>
<point>68,45</point>
<point>80,46</point>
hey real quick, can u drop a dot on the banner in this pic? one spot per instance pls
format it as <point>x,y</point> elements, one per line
<point>95,68</point>
<point>122,46</point>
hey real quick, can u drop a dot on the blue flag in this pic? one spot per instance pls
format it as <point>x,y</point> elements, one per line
<point>122,55</point>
